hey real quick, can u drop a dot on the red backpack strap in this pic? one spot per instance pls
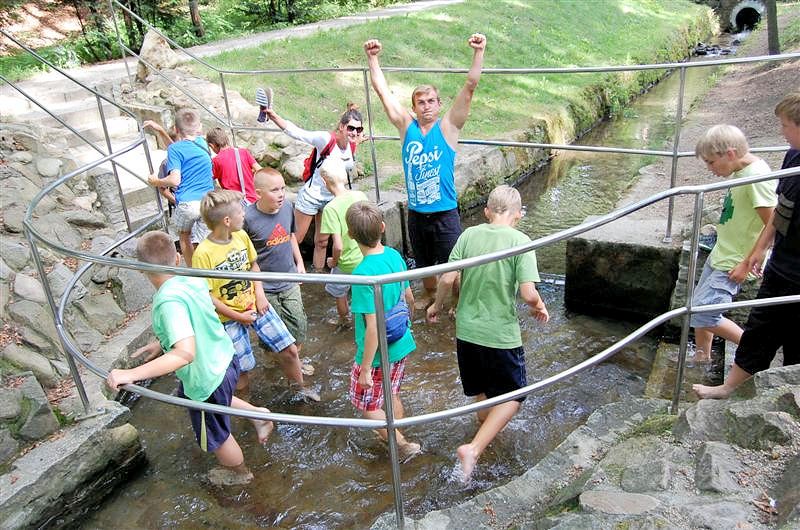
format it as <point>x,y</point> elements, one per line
<point>353,146</point>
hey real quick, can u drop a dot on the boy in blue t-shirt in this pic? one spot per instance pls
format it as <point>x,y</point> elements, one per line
<point>365,225</point>
<point>189,172</point>
<point>195,347</point>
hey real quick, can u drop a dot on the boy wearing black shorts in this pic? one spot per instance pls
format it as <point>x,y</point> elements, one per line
<point>491,360</point>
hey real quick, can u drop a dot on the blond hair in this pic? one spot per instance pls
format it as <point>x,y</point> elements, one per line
<point>424,89</point>
<point>333,171</point>
<point>365,223</point>
<point>261,175</point>
<point>789,108</point>
<point>504,199</point>
<point>719,139</point>
<point>219,204</point>
<point>156,248</point>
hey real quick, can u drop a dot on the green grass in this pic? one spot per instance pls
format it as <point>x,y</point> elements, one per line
<point>790,36</point>
<point>540,33</point>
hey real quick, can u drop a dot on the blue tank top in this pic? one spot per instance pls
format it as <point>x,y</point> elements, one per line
<point>429,164</point>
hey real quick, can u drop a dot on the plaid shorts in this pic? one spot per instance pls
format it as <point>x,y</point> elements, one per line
<point>370,399</point>
<point>270,330</point>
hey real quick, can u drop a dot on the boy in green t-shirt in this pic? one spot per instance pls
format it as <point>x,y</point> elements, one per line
<point>346,254</point>
<point>491,360</point>
<point>745,211</point>
<point>195,347</point>
<point>365,224</point>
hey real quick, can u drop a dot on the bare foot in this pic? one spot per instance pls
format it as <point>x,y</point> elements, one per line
<point>307,368</point>
<point>263,427</point>
<point>408,450</point>
<point>226,476</point>
<point>468,457</point>
<point>308,394</point>
<point>711,392</point>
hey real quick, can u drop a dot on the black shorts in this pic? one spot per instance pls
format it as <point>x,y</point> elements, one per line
<point>490,371</point>
<point>217,427</point>
<point>433,235</point>
<point>770,327</point>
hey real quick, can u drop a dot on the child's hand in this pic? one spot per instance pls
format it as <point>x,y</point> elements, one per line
<point>152,350</point>
<point>432,315</point>
<point>118,378</point>
<point>739,273</point>
<point>540,314</point>
<point>247,317</point>
<point>262,304</point>
<point>365,378</point>
<point>330,263</point>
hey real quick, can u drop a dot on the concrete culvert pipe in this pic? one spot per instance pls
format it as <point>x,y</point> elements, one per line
<point>746,15</point>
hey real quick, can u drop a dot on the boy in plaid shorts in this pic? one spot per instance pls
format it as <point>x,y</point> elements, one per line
<point>242,304</point>
<point>365,225</point>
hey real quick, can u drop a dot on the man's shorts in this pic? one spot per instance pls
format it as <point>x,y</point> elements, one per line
<point>270,330</point>
<point>714,287</point>
<point>433,235</point>
<point>770,327</point>
<point>289,305</point>
<point>490,371</point>
<point>337,290</point>
<point>211,429</point>
<point>371,399</point>
<point>307,204</point>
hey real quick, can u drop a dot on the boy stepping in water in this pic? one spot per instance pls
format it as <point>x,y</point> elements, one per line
<point>491,360</point>
<point>745,211</point>
<point>771,327</point>
<point>195,347</point>
<point>241,304</point>
<point>365,224</point>
<point>346,253</point>
<point>269,223</point>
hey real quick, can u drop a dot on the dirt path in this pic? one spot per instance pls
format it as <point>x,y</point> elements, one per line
<point>745,96</point>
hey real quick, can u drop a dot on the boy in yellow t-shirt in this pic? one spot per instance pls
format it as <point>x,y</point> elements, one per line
<point>241,303</point>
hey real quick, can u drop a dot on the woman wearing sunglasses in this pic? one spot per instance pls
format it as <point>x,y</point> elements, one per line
<point>313,196</point>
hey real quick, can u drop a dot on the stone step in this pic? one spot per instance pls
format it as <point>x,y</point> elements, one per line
<point>48,93</point>
<point>77,114</point>
<point>118,127</point>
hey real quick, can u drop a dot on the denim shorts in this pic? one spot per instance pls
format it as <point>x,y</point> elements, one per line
<point>714,287</point>
<point>337,290</point>
<point>270,330</point>
<point>307,204</point>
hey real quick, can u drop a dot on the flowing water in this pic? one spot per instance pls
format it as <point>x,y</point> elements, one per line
<point>313,477</point>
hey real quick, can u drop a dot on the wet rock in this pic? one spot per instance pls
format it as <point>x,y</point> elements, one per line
<point>10,403</point>
<point>777,377</point>
<point>28,359</point>
<point>6,272</point>
<point>787,495</point>
<point>101,312</point>
<point>15,253</point>
<point>49,167</point>
<point>617,503</point>
<point>717,464</point>
<point>29,288</point>
<point>40,420</point>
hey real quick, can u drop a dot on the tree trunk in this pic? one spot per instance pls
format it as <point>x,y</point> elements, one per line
<point>772,28</point>
<point>194,11</point>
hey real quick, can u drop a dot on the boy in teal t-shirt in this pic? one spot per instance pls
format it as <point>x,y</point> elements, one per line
<point>491,360</point>
<point>365,224</point>
<point>745,211</point>
<point>195,347</point>
<point>346,253</point>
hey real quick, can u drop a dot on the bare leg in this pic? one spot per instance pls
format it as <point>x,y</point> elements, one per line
<point>727,329</point>
<point>320,243</point>
<point>229,454</point>
<point>243,382</point>
<point>427,298</point>
<point>343,308</point>
<point>232,470</point>
<point>495,421</point>
<point>292,368</point>
<point>302,221</point>
<point>263,427</point>
<point>703,337</point>
<point>187,249</point>
<point>736,377</point>
<point>405,448</point>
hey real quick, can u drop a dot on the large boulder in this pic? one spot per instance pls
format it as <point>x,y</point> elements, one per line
<point>155,52</point>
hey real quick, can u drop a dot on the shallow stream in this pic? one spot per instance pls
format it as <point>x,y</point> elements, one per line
<point>317,478</point>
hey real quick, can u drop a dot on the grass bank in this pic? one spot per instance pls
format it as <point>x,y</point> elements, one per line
<point>540,33</point>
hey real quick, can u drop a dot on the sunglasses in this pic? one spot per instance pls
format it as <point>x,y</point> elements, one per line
<point>359,130</point>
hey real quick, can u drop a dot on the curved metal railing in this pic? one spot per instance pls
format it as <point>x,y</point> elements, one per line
<point>391,424</point>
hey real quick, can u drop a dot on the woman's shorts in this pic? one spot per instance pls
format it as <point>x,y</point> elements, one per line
<point>211,429</point>
<point>714,287</point>
<point>307,204</point>
<point>490,371</point>
<point>337,290</point>
<point>371,399</point>
<point>289,305</point>
<point>270,330</point>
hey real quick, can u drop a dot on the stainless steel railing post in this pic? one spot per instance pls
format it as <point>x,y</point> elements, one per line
<point>122,48</point>
<point>383,349</point>
<point>675,143</point>
<point>371,138</point>
<point>113,162</point>
<point>690,277</point>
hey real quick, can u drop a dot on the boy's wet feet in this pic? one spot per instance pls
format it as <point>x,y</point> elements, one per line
<point>308,395</point>
<point>263,428</point>
<point>468,457</point>
<point>408,450</point>
<point>711,392</point>
<point>341,323</point>
<point>307,368</point>
<point>225,476</point>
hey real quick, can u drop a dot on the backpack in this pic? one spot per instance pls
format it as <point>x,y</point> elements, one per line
<point>312,162</point>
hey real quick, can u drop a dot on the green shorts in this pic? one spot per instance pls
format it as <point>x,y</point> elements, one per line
<point>289,306</point>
